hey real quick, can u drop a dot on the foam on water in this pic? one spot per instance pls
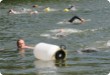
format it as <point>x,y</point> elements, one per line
<point>66,30</point>
<point>1,1</point>
<point>19,10</point>
<point>57,33</point>
<point>108,43</point>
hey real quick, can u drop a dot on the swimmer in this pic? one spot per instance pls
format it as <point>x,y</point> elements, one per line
<point>72,8</point>
<point>11,11</point>
<point>48,9</point>
<point>33,12</point>
<point>60,33</point>
<point>72,20</point>
<point>88,50</point>
<point>21,44</point>
<point>34,6</point>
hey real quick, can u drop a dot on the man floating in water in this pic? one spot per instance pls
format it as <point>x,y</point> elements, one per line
<point>21,44</point>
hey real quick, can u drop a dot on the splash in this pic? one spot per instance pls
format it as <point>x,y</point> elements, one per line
<point>108,43</point>
<point>0,74</point>
<point>65,21</point>
<point>1,1</point>
<point>59,33</point>
<point>109,1</point>
<point>109,73</point>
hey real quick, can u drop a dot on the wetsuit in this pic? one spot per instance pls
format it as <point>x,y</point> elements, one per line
<point>73,18</point>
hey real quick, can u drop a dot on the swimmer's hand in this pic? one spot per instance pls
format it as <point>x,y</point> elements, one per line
<point>83,20</point>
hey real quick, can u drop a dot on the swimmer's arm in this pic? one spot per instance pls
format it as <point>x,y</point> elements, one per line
<point>28,47</point>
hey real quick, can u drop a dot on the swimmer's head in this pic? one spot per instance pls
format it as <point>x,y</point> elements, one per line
<point>71,6</point>
<point>47,9</point>
<point>34,6</point>
<point>11,11</point>
<point>21,44</point>
<point>61,30</point>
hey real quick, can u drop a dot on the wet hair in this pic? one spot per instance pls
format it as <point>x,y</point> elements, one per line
<point>35,6</point>
<point>9,11</point>
<point>88,50</point>
<point>17,43</point>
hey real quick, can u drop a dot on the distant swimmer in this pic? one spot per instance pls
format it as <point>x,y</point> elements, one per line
<point>21,44</point>
<point>87,50</point>
<point>76,19</point>
<point>35,6</point>
<point>11,11</point>
<point>33,12</point>
<point>60,33</point>
<point>47,9</point>
<point>70,8</point>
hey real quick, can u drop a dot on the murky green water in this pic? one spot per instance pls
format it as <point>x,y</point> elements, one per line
<point>94,33</point>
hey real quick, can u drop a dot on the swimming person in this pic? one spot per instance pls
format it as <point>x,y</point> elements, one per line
<point>72,7</point>
<point>87,50</point>
<point>11,11</point>
<point>79,20</point>
<point>60,33</point>
<point>35,6</point>
<point>21,44</point>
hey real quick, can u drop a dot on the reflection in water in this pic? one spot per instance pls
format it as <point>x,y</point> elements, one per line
<point>21,52</point>
<point>45,67</point>
<point>48,66</point>
<point>60,63</point>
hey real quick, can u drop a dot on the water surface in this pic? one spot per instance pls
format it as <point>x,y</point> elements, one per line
<point>93,34</point>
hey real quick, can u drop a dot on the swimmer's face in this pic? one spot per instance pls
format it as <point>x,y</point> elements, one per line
<point>20,43</point>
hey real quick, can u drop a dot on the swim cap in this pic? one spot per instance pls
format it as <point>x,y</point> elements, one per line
<point>47,9</point>
<point>66,10</point>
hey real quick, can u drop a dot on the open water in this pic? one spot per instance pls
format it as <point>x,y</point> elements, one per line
<point>41,27</point>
